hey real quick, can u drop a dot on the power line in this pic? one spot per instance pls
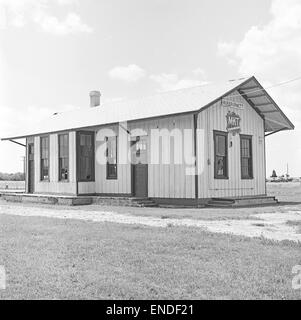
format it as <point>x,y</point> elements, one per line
<point>231,80</point>
<point>272,86</point>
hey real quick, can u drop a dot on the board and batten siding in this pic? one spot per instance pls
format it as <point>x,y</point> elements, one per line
<point>172,179</point>
<point>54,186</point>
<point>121,185</point>
<point>214,118</point>
<point>164,180</point>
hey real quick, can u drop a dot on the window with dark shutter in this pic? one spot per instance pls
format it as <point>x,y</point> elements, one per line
<point>246,157</point>
<point>44,158</point>
<point>85,156</point>
<point>220,155</point>
<point>63,157</point>
<point>111,154</point>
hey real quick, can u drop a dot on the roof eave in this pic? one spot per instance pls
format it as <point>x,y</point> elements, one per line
<point>291,125</point>
<point>236,88</point>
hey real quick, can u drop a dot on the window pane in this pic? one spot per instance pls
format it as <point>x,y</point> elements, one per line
<point>112,157</point>
<point>246,157</point>
<point>220,166</point>
<point>86,157</point>
<point>82,139</point>
<point>44,145</point>
<point>112,170</point>
<point>63,156</point>
<point>88,140</point>
<point>221,145</point>
<point>30,149</point>
<point>220,157</point>
<point>63,169</point>
<point>245,151</point>
<point>45,170</point>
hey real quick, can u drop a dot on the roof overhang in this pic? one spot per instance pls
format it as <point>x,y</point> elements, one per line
<point>174,103</point>
<point>274,118</point>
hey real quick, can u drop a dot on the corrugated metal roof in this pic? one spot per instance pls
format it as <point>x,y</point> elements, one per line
<point>275,119</point>
<point>166,103</point>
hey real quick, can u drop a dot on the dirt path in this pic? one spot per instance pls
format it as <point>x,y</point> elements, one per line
<point>271,225</point>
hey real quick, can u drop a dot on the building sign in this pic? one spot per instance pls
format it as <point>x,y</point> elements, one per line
<point>232,104</point>
<point>233,122</point>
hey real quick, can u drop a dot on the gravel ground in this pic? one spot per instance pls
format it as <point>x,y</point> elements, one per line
<point>268,225</point>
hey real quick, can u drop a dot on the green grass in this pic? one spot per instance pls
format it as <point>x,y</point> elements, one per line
<point>63,259</point>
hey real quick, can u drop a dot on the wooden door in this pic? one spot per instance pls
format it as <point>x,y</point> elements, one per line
<point>31,168</point>
<point>140,167</point>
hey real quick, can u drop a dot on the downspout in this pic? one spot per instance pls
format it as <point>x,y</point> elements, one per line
<point>76,163</point>
<point>265,160</point>
<point>196,180</point>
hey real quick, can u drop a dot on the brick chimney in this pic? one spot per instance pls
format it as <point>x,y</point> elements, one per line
<point>94,99</point>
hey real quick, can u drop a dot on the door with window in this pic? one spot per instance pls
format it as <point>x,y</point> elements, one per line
<point>139,151</point>
<point>30,168</point>
<point>85,157</point>
<point>231,164</point>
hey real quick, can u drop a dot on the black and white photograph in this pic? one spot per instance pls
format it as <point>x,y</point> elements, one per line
<point>150,150</point>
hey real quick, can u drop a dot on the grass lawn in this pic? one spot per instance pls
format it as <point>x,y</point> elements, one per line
<point>284,191</point>
<point>63,259</point>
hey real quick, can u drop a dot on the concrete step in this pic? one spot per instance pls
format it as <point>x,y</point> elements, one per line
<point>145,202</point>
<point>124,201</point>
<point>47,199</point>
<point>244,198</point>
<point>242,202</point>
<point>148,204</point>
<point>226,202</point>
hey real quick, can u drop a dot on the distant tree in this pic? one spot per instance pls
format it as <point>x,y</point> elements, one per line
<point>19,176</point>
<point>274,175</point>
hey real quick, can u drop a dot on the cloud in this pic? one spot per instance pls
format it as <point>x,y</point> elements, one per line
<point>272,52</point>
<point>275,45</point>
<point>14,120</point>
<point>171,81</point>
<point>226,48</point>
<point>19,13</point>
<point>131,73</point>
<point>71,24</point>
<point>199,72</point>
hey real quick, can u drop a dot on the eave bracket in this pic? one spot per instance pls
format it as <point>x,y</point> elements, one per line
<point>20,144</point>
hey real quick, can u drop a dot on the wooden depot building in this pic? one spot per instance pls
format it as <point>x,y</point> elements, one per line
<point>185,147</point>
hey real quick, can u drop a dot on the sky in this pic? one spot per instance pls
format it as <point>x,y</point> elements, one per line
<point>54,52</point>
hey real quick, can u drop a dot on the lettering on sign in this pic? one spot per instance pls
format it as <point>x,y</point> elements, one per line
<point>232,104</point>
<point>233,122</point>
